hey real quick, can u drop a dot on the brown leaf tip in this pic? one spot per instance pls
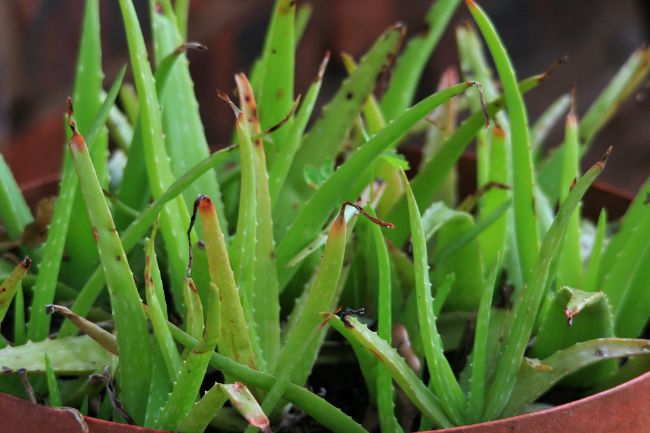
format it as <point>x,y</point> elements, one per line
<point>224,97</point>
<point>323,66</point>
<point>26,262</point>
<point>70,112</point>
<point>603,160</point>
<point>359,209</point>
<point>553,67</point>
<point>203,203</point>
<point>191,46</point>
<point>484,109</point>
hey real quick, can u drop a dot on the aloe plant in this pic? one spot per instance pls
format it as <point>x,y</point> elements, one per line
<point>248,287</point>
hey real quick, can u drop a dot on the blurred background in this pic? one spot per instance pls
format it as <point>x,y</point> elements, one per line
<point>39,42</point>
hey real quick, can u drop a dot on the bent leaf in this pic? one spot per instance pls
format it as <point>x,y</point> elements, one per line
<point>532,382</point>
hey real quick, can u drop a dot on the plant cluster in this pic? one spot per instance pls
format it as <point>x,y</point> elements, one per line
<point>260,242</point>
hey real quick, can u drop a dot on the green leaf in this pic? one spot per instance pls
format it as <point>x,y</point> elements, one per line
<point>156,308</point>
<point>533,382</point>
<point>423,398</point>
<point>589,316</point>
<point>236,335</point>
<point>479,360</point>
<point>181,121</point>
<point>275,94</point>
<point>204,411</point>
<point>493,240</point>
<point>14,212</point>
<point>411,63</point>
<point>522,181</point>
<point>286,150</point>
<point>52,385</point>
<point>520,325</point>
<point>174,218</point>
<point>130,322</point>
<point>87,99</point>
<point>187,386</point>
<point>304,335</point>
<point>595,258</point>
<point>442,379</point>
<point>68,356</point>
<point>48,272</point>
<point>569,271</point>
<point>11,285</point>
<point>265,290</point>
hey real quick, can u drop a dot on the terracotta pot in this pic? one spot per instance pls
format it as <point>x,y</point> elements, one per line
<point>623,409</point>
<point>21,416</point>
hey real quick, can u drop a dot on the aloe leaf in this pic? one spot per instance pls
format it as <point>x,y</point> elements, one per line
<point>533,382</point>
<point>493,240</point>
<point>629,76</point>
<point>625,279</point>
<point>20,329</point>
<point>156,309</point>
<point>136,230</point>
<point>52,386</point>
<point>630,224</point>
<point>410,64</point>
<point>286,150</point>
<point>161,385</point>
<point>522,181</point>
<point>174,218</point>
<point>87,99</point>
<point>385,389</point>
<point>323,141</point>
<point>130,321</point>
<point>595,258</point>
<point>415,390</point>
<point>589,316</point>
<point>265,290</point>
<point>520,325</point>
<point>183,130</point>
<point>569,271</point>
<point>204,411</point>
<point>14,212</point>
<point>465,263</point>
<point>235,335</point>
<point>278,58</point>
<point>94,331</point>
<point>68,356</point>
<point>304,333</point>
<point>194,322</point>
<point>11,285</point>
<point>633,311</point>
<point>242,399</point>
<point>186,388</point>
<point>303,15</point>
<point>545,123</point>
<point>182,14</point>
<point>341,185</point>
<point>429,178</point>
<point>442,377</point>
<point>48,272</point>
<point>479,363</point>
<point>243,245</point>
